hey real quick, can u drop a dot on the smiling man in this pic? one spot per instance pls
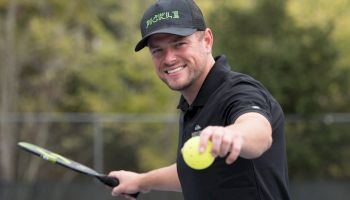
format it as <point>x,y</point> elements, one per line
<point>232,110</point>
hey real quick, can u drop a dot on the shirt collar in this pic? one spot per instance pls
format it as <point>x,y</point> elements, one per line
<point>214,79</point>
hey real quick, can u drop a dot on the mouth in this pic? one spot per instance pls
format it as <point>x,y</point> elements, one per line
<point>174,70</point>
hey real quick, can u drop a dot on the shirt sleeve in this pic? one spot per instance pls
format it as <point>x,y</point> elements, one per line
<point>244,98</point>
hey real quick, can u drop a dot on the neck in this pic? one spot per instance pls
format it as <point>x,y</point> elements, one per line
<point>191,93</point>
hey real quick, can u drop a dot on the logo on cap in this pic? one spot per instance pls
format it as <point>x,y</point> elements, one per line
<point>162,16</point>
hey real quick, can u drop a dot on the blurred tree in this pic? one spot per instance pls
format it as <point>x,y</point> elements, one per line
<point>321,13</point>
<point>8,89</point>
<point>264,42</point>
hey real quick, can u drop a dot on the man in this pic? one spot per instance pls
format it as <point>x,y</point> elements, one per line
<point>232,110</point>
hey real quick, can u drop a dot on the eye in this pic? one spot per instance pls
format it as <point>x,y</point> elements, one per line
<point>179,44</point>
<point>156,51</point>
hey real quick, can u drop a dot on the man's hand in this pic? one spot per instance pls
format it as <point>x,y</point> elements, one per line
<point>224,142</point>
<point>249,137</point>
<point>129,183</point>
<point>165,179</point>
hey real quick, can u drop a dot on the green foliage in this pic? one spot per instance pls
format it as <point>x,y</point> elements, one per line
<point>318,150</point>
<point>290,61</point>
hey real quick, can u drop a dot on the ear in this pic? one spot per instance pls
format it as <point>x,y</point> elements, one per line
<point>208,39</point>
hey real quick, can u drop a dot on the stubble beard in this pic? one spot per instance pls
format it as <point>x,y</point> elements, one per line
<point>190,81</point>
<point>179,88</point>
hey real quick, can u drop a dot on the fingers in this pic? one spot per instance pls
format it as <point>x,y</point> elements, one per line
<point>225,142</point>
<point>116,191</point>
<point>128,183</point>
<point>205,136</point>
<point>216,140</point>
<point>235,149</point>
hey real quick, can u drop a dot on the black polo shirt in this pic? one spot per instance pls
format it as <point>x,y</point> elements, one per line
<point>224,96</point>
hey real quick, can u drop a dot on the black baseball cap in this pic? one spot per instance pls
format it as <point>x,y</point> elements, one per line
<point>178,17</point>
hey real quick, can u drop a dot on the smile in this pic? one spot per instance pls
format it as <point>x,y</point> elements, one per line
<point>172,71</point>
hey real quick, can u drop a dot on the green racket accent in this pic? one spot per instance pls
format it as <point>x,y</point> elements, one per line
<point>45,154</point>
<point>53,157</point>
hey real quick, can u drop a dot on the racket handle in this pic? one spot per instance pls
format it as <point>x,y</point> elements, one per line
<point>113,182</point>
<point>110,181</point>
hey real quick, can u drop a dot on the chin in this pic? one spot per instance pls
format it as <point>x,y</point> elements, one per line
<point>178,88</point>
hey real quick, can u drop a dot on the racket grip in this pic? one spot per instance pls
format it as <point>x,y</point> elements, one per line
<point>110,181</point>
<point>113,182</point>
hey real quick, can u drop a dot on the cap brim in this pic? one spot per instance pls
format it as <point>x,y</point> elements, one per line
<point>171,30</point>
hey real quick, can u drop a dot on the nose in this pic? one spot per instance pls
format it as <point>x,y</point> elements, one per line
<point>169,57</point>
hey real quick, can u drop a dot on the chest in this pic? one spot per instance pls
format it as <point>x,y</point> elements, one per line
<point>197,118</point>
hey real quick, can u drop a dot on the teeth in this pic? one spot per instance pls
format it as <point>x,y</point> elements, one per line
<point>174,70</point>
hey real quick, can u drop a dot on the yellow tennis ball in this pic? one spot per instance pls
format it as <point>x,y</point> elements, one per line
<point>193,157</point>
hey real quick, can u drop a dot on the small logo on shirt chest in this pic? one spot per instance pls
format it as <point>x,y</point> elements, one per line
<point>197,130</point>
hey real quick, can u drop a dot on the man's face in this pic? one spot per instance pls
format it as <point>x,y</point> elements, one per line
<point>180,62</point>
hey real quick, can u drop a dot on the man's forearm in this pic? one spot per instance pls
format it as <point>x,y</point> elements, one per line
<point>165,179</point>
<point>256,132</point>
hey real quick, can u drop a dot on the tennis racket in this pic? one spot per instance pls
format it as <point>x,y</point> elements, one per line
<point>70,164</point>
